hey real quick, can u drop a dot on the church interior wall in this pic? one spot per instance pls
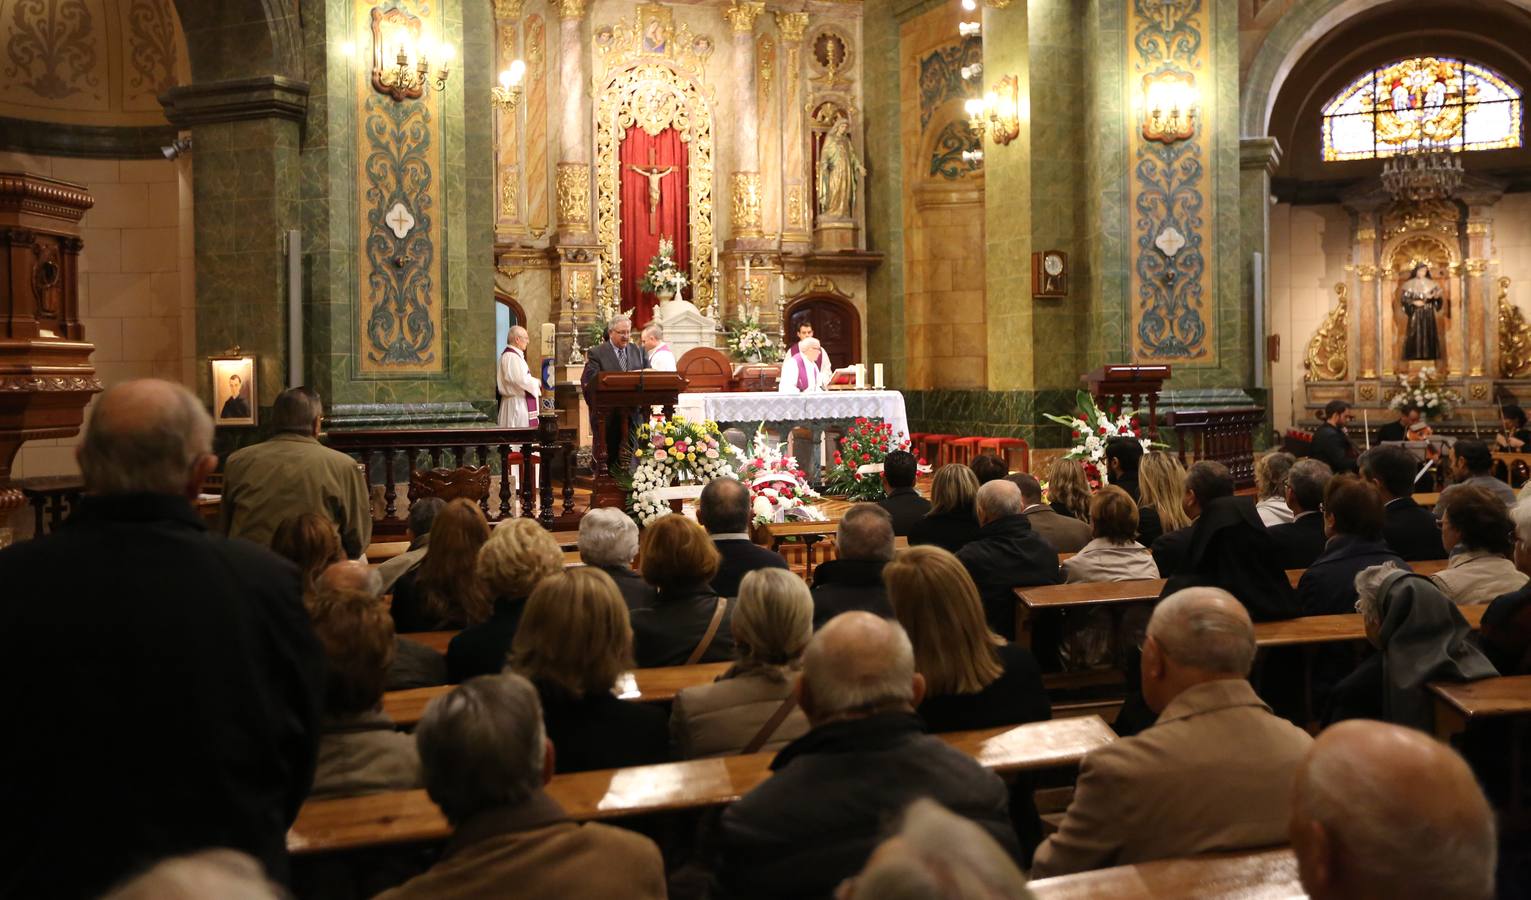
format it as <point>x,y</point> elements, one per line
<point>1310,248</point>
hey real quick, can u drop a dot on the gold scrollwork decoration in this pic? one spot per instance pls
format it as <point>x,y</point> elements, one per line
<point>1514,336</point>
<point>795,207</point>
<point>579,290</point>
<point>1475,266</point>
<point>1366,272</point>
<point>1367,392</point>
<point>652,36</point>
<point>573,182</point>
<point>1366,234</point>
<point>1478,391</point>
<point>744,189</point>
<point>792,25</point>
<point>1328,351</point>
<point>1477,228</point>
<point>741,16</point>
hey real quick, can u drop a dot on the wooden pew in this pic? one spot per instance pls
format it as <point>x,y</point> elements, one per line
<point>1265,873</point>
<point>1310,630</point>
<point>436,640</point>
<point>1458,704</point>
<point>382,551</point>
<point>397,817</point>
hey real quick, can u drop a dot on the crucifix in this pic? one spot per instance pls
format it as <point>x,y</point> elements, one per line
<point>653,174</point>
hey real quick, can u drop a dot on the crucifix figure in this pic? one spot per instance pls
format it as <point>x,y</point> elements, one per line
<point>654,175</point>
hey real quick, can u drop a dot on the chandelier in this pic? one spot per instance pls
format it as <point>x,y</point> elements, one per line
<point>1424,172</point>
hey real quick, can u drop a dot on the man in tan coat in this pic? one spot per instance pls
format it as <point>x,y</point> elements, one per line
<point>485,758</point>
<point>1213,773</point>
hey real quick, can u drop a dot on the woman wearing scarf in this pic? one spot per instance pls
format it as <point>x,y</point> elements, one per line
<point>517,386</point>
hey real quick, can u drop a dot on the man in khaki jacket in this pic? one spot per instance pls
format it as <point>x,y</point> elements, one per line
<point>1213,773</point>
<point>290,474</point>
<point>486,757</point>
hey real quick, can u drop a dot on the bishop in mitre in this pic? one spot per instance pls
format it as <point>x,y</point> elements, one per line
<point>518,387</point>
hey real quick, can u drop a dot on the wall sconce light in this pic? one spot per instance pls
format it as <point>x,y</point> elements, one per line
<point>969,29</point>
<point>972,157</point>
<point>969,5</point>
<point>970,72</point>
<point>1169,106</point>
<point>409,73</point>
<point>507,94</point>
<point>998,115</point>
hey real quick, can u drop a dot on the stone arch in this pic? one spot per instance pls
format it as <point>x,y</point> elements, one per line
<point>267,34</point>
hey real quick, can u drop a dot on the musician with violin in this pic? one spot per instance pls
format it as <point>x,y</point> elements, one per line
<point>1330,443</point>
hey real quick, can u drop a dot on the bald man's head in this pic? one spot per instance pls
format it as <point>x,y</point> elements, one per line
<point>147,436</point>
<point>352,575</point>
<point>858,664</point>
<point>998,499</point>
<point>1387,812</point>
<point>1196,635</point>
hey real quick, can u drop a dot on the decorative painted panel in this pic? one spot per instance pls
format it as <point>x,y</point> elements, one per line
<point>1170,197</point>
<point>946,156</point>
<point>941,75</point>
<point>399,326</point>
<point>55,50</point>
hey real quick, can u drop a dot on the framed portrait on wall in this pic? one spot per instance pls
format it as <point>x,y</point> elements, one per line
<point>234,391</point>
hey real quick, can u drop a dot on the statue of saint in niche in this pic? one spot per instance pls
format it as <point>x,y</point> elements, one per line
<point>838,168</point>
<point>1422,303</point>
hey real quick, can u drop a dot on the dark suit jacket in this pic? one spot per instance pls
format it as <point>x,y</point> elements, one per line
<point>907,508</point>
<point>949,531</point>
<point>1301,540</point>
<point>1392,431</point>
<point>1231,549</point>
<point>598,731</point>
<point>168,693</point>
<point>739,558</point>
<point>1170,551</point>
<point>1333,446</point>
<point>844,585</point>
<point>1328,587</point>
<point>603,358</point>
<point>481,649</point>
<point>1008,555</point>
<point>636,592</point>
<point>1411,530</point>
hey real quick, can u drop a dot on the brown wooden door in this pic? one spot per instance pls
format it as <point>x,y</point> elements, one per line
<point>835,323</point>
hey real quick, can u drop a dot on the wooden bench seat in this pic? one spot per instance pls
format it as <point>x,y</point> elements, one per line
<point>1262,874</point>
<point>396,817</point>
<point>1310,630</point>
<point>1458,704</point>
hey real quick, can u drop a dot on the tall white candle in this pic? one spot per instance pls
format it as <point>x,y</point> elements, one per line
<point>746,268</point>
<point>877,375</point>
<point>861,375</point>
<point>549,332</point>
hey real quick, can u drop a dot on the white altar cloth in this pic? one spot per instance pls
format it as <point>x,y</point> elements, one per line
<point>745,407</point>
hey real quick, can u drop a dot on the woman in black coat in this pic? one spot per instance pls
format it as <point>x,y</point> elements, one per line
<point>687,622</point>
<point>952,521</point>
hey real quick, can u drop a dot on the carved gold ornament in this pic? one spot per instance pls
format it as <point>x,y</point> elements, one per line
<point>1366,272</point>
<point>1368,392</point>
<point>571,9</point>
<point>1366,234</point>
<point>795,207</point>
<point>1328,352</point>
<point>1475,266</point>
<point>579,289</point>
<point>651,36</point>
<point>741,16</point>
<point>744,191</point>
<point>573,181</point>
<point>1477,228</point>
<point>1439,216</point>
<point>510,178</point>
<point>507,9</point>
<point>792,25</point>
<point>1514,336</point>
<point>1479,392</point>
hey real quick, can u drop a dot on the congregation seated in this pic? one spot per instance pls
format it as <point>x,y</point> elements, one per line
<point>747,709</point>
<point>360,749</point>
<point>291,473</point>
<point>1064,533</point>
<point>1472,465</point>
<point>1068,489</point>
<point>608,540</point>
<point>688,622</point>
<point>1270,488</point>
<point>518,554</point>
<point>168,681</point>
<point>1006,555</point>
<point>1410,529</point>
<point>485,758</point>
<point>1213,773</point>
<point>1420,637</point>
<point>414,665</point>
<point>853,579</point>
<point>1226,547</point>
<point>1302,540</point>
<point>1515,435</point>
<point>819,816</point>
<point>223,873</point>
<point>724,510</point>
<point>903,502</point>
<point>1353,521</point>
<point>310,542</point>
<point>1112,554</point>
<point>444,592</point>
<point>935,854</point>
<point>951,521</point>
<point>1477,528</point>
<point>1161,485</point>
<point>574,641</point>
<point>422,515</point>
<point>1505,630</point>
<point>1381,812</point>
<point>987,467</point>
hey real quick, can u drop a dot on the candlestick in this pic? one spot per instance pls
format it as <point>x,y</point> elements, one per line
<point>877,376</point>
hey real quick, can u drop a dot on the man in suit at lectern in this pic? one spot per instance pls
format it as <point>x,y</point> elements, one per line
<point>617,353</point>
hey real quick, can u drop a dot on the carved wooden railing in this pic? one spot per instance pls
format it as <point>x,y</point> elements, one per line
<point>1221,435</point>
<point>394,456</point>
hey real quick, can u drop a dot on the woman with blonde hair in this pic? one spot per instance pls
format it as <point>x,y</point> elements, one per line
<point>444,591</point>
<point>518,554</point>
<point>688,622</point>
<point>743,710</point>
<point>952,521</point>
<point>1161,497</point>
<point>573,643</point>
<point>1068,489</point>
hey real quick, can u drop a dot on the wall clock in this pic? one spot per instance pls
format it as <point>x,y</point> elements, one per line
<point>1049,273</point>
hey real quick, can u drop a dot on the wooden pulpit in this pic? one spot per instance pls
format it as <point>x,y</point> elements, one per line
<point>46,378</point>
<point>613,398</point>
<point>1130,386</point>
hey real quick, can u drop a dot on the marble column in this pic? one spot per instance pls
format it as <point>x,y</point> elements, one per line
<point>578,259</point>
<point>1477,291</point>
<point>1258,159</point>
<point>796,234</point>
<point>510,219</point>
<point>1369,334</point>
<point>744,182</point>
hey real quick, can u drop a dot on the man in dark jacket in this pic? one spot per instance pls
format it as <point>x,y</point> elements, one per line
<point>168,681</point>
<point>1409,529</point>
<point>1301,540</point>
<point>1353,521</point>
<point>1006,555</point>
<point>724,510</point>
<point>815,821</point>
<point>1064,534</point>
<point>904,503</point>
<point>853,580</point>
<point>1330,443</point>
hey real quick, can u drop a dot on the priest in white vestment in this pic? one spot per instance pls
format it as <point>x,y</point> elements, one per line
<point>518,387</point>
<point>661,357</point>
<point>805,371</point>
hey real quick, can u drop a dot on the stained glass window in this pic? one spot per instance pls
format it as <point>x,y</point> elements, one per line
<point>1426,101</point>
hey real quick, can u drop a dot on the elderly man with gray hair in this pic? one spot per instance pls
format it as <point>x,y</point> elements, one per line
<point>1213,773</point>
<point>1007,554</point>
<point>1381,812</point>
<point>608,540</point>
<point>617,353</point>
<point>486,758</point>
<point>853,579</point>
<point>935,855</point>
<point>865,759</point>
<point>517,386</point>
<point>188,653</point>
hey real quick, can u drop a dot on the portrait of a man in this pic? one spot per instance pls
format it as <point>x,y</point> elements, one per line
<point>234,391</point>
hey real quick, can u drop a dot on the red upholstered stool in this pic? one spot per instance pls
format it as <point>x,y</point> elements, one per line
<point>960,450</point>
<point>914,440</point>
<point>928,447</point>
<point>1007,449</point>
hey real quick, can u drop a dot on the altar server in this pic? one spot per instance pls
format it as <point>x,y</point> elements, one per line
<point>804,332</point>
<point>518,388</point>
<point>661,357</point>
<point>805,371</point>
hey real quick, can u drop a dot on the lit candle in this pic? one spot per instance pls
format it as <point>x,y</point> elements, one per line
<point>746,268</point>
<point>877,376</point>
<point>861,376</point>
<point>549,332</point>
<point>781,285</point>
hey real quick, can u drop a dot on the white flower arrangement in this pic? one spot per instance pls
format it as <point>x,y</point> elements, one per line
<point>776,483</point>
<point>663,276</point>
<point>1093,427</point>
<point>670,450</point>
<point>1433,398</point>
<point>748,342</point>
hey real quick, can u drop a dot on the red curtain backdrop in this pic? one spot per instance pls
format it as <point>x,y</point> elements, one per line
<point>639,245</point>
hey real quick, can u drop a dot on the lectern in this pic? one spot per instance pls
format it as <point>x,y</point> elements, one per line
<point>613,399</point>
<point>1130,385</point>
